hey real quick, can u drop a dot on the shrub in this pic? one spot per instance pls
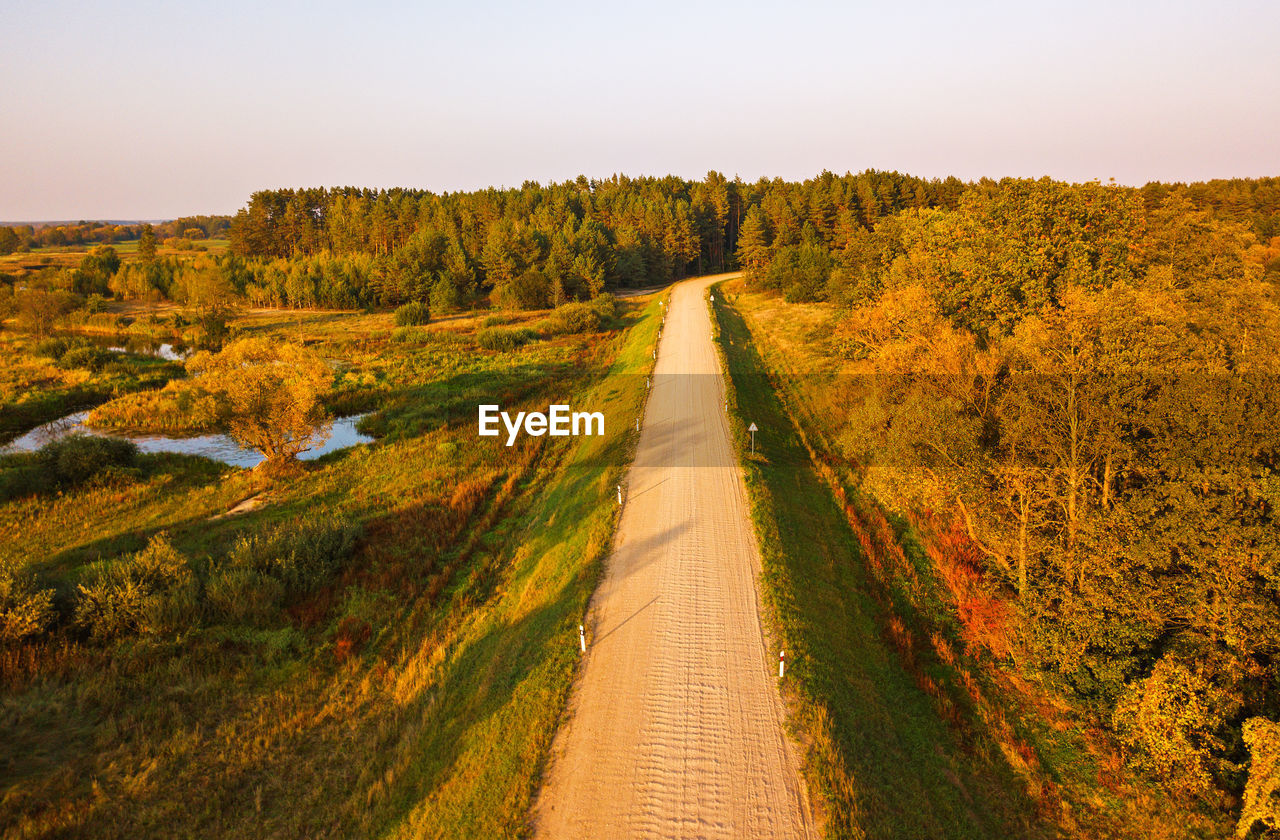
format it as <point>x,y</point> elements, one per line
<point>25,610</point>
<point>151,591</point>
<point>73,353</point>
<point>531,289</point>
<point>606,305</point>
<point>53,348</point>
<point>413,314</point>
<point>574,318</point>
<point>243,595</point>
<point>302,556</point>
<point>498,319</point>
<point>312,554</point>
<point>84,356</point>
<point>75,459</point>
<point>505,338</point>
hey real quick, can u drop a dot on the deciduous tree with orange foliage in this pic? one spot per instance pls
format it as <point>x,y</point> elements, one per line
<point>270,396</point>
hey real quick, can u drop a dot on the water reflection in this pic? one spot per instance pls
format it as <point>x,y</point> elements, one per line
<point>218,447</point>
<point>170,351</point>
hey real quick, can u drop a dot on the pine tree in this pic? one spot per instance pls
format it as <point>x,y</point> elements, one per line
<point>753,243</point>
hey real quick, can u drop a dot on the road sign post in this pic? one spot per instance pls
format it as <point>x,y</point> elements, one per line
<point>753,431</point>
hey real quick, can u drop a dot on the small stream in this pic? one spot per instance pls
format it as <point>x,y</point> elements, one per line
<point>218,447</point>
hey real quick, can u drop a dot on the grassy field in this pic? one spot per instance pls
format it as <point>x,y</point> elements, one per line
<point>69,256</point>
<point>910,735</point>
<point>416,692</point>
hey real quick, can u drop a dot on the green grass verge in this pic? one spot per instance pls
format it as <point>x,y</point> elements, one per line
<point>504,680</point>
<point>881,760</point>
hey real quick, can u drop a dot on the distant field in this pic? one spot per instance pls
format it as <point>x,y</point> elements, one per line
<point>69,256</point>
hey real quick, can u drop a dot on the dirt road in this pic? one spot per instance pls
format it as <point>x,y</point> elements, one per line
<point>675,727</point>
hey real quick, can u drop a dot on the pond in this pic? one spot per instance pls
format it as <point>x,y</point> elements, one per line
<point>126,343</point>
<point>218,447</point>
<point>168,352</point>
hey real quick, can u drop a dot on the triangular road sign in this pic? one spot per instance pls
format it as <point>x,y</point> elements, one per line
<point>753,428</point>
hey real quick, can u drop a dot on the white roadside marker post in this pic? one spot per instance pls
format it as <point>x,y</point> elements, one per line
<point>782,663</point>
<point>619,494</point>
<point>753,431</point>
<point>637,424</point>
<point>582,638</point>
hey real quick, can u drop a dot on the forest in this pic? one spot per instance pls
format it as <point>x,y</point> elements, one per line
<point>525,248</point>
<point>540,246</point>
<point>1070,390</point>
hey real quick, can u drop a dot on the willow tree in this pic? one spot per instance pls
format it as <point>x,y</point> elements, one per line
<point>270,396</point>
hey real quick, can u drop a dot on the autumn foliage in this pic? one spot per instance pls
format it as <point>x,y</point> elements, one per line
<point>1070,392</point>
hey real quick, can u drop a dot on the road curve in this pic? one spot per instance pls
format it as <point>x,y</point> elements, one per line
<point>675,728</point>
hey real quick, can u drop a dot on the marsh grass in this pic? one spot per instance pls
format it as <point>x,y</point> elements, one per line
<point>37,386</point>
<point>413,690</point>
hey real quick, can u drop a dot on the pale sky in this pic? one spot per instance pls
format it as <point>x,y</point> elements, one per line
<point>157,109</point>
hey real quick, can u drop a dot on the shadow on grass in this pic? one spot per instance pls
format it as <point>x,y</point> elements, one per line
<point>175,474</point>
<point>887,764</point>
<point>413,410</point>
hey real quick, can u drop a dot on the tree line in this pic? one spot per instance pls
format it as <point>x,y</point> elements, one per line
<point>1082,379</point>
<point>22,238</point>
<point>534,246</point>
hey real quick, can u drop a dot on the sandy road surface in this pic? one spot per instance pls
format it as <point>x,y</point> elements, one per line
<point>675,727</point>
